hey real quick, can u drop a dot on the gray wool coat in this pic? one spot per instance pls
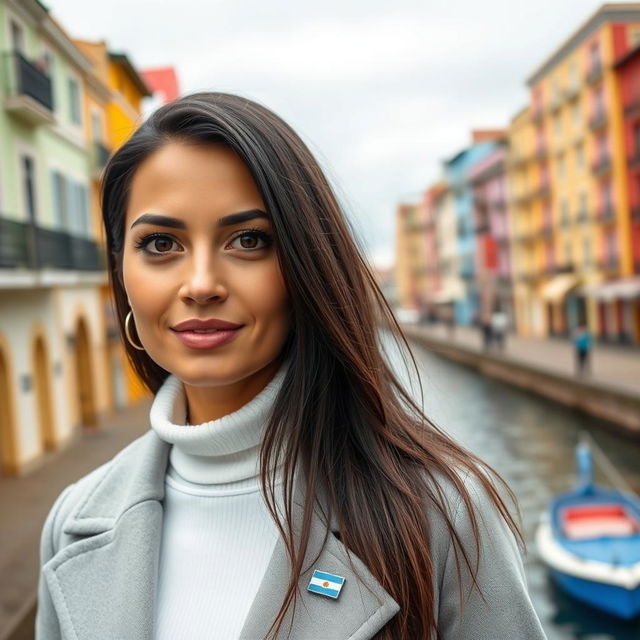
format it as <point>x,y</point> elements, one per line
<point>99,567</point>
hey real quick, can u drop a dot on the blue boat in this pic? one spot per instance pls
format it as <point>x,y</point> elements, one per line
<point>590,540</point>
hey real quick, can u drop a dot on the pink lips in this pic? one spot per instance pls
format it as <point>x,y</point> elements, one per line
<point>206,340</point>
<point>224,332</point>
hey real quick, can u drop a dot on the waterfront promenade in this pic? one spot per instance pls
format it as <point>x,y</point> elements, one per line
<point>547,366</point>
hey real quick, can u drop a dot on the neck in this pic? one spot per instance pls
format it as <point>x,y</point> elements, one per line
<point>205,404</point>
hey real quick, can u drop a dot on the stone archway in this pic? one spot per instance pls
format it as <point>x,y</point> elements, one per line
<point>42,388</point>
<point>8,449</point>
<point>84,376</point>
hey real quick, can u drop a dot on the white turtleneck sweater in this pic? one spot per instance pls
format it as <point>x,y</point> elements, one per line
<point>217,533</point>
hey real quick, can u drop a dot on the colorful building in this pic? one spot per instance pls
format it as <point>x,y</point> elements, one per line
<point>113,120</point>
<point>457,171</point>
<point>580,166</point>
<point>624,293</point>
<point>52,374</point>
<point>488,180</point>
<point>410,256</point>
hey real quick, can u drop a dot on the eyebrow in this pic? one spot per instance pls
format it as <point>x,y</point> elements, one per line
<point>226,221</point>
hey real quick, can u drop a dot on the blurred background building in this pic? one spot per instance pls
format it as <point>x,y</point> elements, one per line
<point>543,219</point>
<point>65,105</point>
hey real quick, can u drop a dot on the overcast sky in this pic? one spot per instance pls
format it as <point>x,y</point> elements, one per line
<point>380,91</point>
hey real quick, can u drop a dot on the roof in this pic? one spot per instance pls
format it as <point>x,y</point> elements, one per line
<point>628,11</point>
<point>136,78</point>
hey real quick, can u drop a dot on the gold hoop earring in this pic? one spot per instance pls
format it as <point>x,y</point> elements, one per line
<point>128,333</point>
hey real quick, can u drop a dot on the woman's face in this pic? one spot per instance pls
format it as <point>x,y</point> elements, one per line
<point>214,259</point>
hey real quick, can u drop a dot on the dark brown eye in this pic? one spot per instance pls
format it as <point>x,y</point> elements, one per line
<point>250,240</point>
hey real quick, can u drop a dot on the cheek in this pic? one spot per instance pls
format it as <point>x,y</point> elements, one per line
<point>143,289</point>
<point>265,295</point>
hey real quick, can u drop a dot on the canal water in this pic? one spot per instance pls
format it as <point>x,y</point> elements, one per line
<point>530,441</point>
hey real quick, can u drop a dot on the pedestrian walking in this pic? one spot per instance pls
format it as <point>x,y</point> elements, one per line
<point>487,333</point>
<point>582,341</point>
<point>284,460</point>
<point>499,323</point>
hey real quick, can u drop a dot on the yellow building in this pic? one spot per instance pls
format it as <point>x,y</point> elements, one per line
<point>530,223</point>
<point>579,164</point>
<point>113,106</point>
<point>410,263</point>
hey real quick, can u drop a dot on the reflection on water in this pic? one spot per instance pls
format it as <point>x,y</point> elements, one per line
<point>530,441</point>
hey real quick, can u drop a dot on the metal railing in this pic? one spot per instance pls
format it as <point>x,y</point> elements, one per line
<point>28,80</point>
<point>24,245</point>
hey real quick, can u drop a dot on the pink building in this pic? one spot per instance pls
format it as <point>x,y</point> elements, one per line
<point>493,252</point>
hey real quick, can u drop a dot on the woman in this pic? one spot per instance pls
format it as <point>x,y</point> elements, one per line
<point>289,486</point>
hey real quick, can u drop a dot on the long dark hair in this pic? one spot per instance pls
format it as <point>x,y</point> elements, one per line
<point>341,414</point>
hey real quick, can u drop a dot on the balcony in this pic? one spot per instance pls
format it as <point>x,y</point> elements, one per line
<point>555,103</point>
<point>572,91</point>
<point>546,228</point>
<point>99,159</point>
<point>594,74</point>
<point>583,216</point>
<point>537,115</point>
<point>564,267</point>
<point>29,90</point>
<point>482,227</point>
<point>634,160</point>
<point>598,121</point>
<point>543,190</point>
<point>610,264</point>
<point>541,152</point>
<point>632,108</point>
<point>28,246</point>
<point>606,214</point>
<point>601,166</point>
<point>518,159</point>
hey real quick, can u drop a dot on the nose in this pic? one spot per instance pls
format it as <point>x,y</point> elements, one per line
<point>204,279</point>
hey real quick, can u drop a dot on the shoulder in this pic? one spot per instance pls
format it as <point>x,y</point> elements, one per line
<point>480,608</point>
<point>77,492</point>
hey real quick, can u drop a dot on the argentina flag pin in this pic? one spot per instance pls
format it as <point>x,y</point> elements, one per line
<point>326,584</point>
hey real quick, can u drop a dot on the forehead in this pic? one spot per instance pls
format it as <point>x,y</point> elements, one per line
<point>191,180</point>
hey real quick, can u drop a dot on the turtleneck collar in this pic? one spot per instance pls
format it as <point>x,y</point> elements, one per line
<point>223,450</point>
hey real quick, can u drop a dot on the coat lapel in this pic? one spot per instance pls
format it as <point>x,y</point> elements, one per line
<point>103,581</point>
<point>361,609</point>
<point>104,578</point>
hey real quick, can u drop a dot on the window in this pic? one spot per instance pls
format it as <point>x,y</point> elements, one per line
<point>636,138</point>
<point>557,125</point>
<point>561,167</point>
<point>60,207</point>
<point>74,101</point>
<point>46,62</point>
<point>564,212</point>
<point>583,203</point>
<point>594,52</point>
<point>29,186</point>
<point>603,150</point>
<point>567,252</point>
<point>634,37</point>
<point>598,101</point>
<point>17,37</point>
<point>577,116</point>
<point>606,195</point>
<point>96,126</point>
<point>580,157</point>
<point>586,250</point>
<point>573,73</point>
